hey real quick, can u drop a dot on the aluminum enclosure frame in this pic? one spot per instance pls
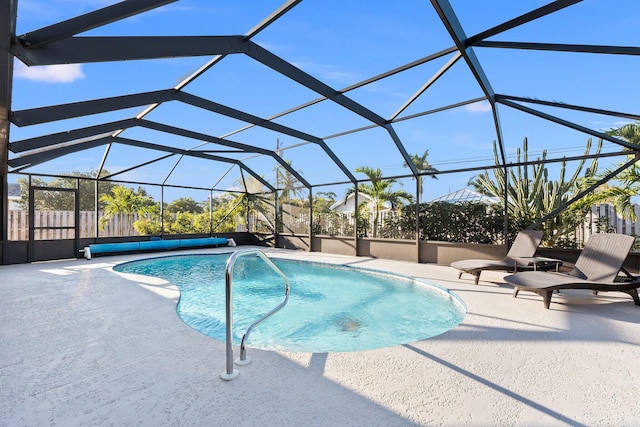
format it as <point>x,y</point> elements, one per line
<point>61,43</point>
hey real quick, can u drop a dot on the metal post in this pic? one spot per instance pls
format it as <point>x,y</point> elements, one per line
<point>162,211</point>
<point>310,219</point>
<point>211,213</point>
<point>8,10</point>
<point>276,218</point>
<point>76,218</point>
<point>355,220</point>
<point>32,221</point>
<point>96,208</point>
<point>418,201</point>
<point>505,225</point>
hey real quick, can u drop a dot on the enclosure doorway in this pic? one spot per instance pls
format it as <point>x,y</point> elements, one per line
<point>53,234</point>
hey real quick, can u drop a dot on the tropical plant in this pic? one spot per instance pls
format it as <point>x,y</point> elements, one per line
<point>185,204</point>
<point>125,200</point>
<point>291,197</point>
<point>629,132</point>
<point>322,201</point>
<point>465,222</point>
<point>254,203</point>
<point>148,225</point>
<point>222,219</point>
<point>628,181</point>
<point>529,194</point>
<point>380,191</point>
<point>422,165</point>
<point>187,223</point>
<point>288,184</point>
<point>332,223</point>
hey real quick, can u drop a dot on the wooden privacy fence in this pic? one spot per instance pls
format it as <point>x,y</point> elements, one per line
<point>119,225</point>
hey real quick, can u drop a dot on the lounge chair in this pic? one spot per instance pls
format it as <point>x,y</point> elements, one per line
<point>597,269</point>
<point>524,246</point>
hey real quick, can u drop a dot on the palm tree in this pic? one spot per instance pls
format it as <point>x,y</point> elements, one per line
<point>380,192</point>
<point>124,200</point>
<point>253,202</point>
<point>629,179</point>
<point>629,132</point>
<point>422,165</point>
<point>290,195</point>
<point>288,182</point>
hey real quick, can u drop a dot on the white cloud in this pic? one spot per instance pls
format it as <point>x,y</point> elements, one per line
<point>620,124</point>
<point>66,73</point>
<point>478,107</point>
<point>326,72</point>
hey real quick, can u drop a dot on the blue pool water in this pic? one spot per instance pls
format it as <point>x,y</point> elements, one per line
<point>330,308</point>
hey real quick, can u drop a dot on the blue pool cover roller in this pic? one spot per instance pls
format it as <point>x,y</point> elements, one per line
<point>155,244</point>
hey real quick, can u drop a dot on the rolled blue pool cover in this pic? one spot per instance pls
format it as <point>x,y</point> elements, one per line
<point>204,241</point>
<point>114,247</point>
<point>158,244</point>
<point>153,244</point>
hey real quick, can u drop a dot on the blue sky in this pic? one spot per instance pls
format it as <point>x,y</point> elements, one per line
<point>342,43</point>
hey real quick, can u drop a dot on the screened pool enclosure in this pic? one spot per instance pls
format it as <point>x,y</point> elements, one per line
<point>316,125</point>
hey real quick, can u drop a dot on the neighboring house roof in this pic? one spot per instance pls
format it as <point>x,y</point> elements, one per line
<point>14,190</point>
<point>465,195</point>
<point>14,196</point>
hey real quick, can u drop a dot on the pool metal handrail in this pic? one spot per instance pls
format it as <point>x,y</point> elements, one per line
<point>230,373</point>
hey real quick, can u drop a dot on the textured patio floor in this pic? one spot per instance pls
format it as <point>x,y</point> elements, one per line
<point>85,346</point>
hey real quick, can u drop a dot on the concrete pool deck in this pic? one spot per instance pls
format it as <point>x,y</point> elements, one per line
<point>85,346</point>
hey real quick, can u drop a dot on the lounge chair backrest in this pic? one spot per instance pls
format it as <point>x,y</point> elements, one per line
<point>525,244</point>
<point>602,257</point>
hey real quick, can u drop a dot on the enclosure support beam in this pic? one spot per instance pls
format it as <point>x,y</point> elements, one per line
<point>8,9</point>
<point>355,221</point>
<point>78,50</point>
<point>566,106</point>
<point>522,19</point>
<point>450,20</point>
<point>563,47</point>
<point>310,219</point>
<point>89,21</point>
<point>569,124</point>
<point>418,201</point>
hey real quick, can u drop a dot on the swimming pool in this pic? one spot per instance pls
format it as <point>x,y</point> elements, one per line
<point>331,308</point>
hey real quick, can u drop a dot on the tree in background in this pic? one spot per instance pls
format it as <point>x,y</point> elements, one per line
<point>288,184</point>
<point>186,216</point>
<point>125,200</point>
<point>422,165</point>
<point>291,198</point>
<point>64,201</point>
<point>222,218</point>
<point>185,204</point>
<point>530,194</point>
<point>253,203</point>
<point>380,191</point>
<point>322,201</point>
<point>621,189</point>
